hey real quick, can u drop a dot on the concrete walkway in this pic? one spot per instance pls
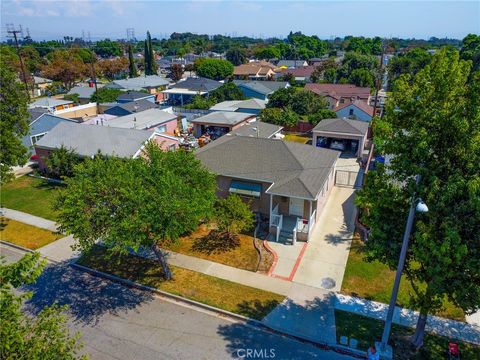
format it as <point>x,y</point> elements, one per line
<point>406,317</point>
<point>29,219</point>
<point>323,263</point>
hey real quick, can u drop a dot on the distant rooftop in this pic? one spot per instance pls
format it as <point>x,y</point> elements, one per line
<point>223,118</point>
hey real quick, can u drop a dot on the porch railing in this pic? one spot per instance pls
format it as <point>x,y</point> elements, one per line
<point>277,221</point>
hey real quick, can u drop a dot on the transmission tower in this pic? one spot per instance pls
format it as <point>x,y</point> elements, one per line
<point>13,34</point>
<point>130,34</point>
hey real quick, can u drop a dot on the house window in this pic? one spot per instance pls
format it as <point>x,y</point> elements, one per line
<point>162,128</point>
<point>245,189</point>
<point>350,113</point>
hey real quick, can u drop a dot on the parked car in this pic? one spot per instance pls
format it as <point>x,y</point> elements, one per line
<point>337,145</point>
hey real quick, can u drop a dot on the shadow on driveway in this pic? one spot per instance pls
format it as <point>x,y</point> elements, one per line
<point>88,297</point>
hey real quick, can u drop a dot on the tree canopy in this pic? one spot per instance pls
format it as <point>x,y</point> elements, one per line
<point>409,63</point>
<point>471,50</point>
<point>107,48</point>
<point>13,123</point>
<point>236,56</point>
<point>216,69</point>
<point>105,95</point>
<point>133,203</point>
<point>226,92</point>
<point>44,336</point>
<point>233,215</point>
<point>431,128</point>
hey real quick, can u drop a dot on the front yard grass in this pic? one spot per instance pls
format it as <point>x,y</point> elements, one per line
<point>203,243</point>
<point>297,138</point>
<point>227,295</point>
<point>367,330</point>
<point>25,235</point>
<point>374,281</point>
<point>30,195</point>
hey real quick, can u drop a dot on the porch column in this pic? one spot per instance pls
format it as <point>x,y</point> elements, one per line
<point>309,221</point>
<point>310,210</point>
<point>270,212</point>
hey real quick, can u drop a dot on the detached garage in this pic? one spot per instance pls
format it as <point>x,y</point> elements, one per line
<point>345,135</point>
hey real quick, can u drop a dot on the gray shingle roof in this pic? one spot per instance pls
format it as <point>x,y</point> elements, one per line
<point>133,95</point>
<point>87,140</point>
<point>35,113</point>
<point>142,120</point>
<point>140,82</point>
<point>296,170</point>
<point>136,106</point>
<point>256,128</point>
<point>84,92</point>
<point>234,105</point>
<point>223,118</point>
<point>342,125</point>
<point>262,87</point>
<point>197,84</point>
<point>49,102</point>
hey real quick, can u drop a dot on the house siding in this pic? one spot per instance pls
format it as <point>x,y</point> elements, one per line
<point>252,93</point>
<point>357,113</point>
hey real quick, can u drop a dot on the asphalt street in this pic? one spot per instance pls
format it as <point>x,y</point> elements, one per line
<point>117,322</point>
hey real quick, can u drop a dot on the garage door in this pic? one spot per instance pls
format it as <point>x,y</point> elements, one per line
<point>296,207</point>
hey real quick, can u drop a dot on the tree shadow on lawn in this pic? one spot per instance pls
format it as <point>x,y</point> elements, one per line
<point>88,297</point>
<point>257,309</point>
<point>215,242</point>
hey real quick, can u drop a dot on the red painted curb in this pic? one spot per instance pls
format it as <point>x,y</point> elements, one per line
<point>275,256</point>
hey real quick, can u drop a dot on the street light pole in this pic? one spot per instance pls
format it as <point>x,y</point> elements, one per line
<point>398,275</point>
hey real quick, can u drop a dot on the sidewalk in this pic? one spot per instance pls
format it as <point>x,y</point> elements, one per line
<point>307,311</point>
<point>29,219</point>
<point>406,317</point>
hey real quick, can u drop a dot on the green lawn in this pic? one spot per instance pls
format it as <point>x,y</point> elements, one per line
<point>367,330</point>
<point>26,235</point>
<point>206,289</point>
<point>30,195</point>
<point>374,281</point>
<point>204,243</point>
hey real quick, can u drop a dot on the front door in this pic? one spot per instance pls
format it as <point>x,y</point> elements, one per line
<point>296,207</point>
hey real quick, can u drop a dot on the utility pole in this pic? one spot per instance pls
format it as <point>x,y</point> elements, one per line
<point>379,80</point>
<point>94,75</point>
<point>11,30</point>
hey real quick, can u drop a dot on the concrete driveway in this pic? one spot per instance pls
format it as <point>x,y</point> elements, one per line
<point>327,252</point>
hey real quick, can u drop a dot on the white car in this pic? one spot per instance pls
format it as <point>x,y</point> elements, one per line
<point>337,145</point>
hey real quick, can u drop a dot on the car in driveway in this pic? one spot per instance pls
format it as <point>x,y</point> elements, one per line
<point>337,145</point>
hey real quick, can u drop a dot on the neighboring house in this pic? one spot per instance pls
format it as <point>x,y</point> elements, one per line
<point>344,135</point>
<point>183,91</point>
<point>84,93</point>
<point>87,141</point>
<point>301,74</point>
<point>40,85</point>
<point>151,119</point>
<point>381,101</point>
<point>130,96</point>
<point>260,89</point>
<point>51,104</point>
<point>285,181</point>
<point>219,123</point>
<point>292,64</point>
<point>338,94</point>
<point>40,125</point>
<point>129,108</point>
<point>258,129</point>
<point>254,70</point>
<point>356,110</point>
<point>151,83</point>
<point>251,106</point>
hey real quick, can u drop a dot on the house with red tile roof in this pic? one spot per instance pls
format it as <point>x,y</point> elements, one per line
<point>338,94</point>
<point>254,70</point>
<point>301,74</point>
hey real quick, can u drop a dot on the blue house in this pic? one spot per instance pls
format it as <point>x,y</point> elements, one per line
<point>356,110</point>
<point>260,89</point>
<point>40,124</point>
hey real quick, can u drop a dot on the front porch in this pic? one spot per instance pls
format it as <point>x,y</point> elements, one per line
<point>291,219</point>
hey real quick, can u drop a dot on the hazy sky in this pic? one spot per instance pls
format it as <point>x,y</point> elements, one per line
<point>111,18</point>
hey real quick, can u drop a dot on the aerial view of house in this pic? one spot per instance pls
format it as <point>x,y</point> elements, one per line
<point>260,89</point>
<point>252,106</point>
<point>338,94</point>
<point>182,92</point>
<point>219,123</point>
<point>280,179</point>
<point>254,70</point>
<point>151,83</point>
<point>121,109</point>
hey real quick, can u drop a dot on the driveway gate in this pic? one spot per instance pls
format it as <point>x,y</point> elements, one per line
<point>348,178</point>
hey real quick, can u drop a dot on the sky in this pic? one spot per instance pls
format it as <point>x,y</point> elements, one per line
<point>326,19</point>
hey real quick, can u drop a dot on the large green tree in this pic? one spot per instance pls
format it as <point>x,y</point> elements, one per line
<point>132,66</point>
<point>107,48</point>
<point>44,336</point>
<point>216,69</point>
<point>410,62</point>
<point>133,203</point>
<point>105,94</point>
<point>471,50</point>
<point>228,91</point>
<point>233,216</point>
<point>61,163</point>
<point>431,128</point>
<point>236,56</point>
<point>151,67</point>
<point>13,123</point>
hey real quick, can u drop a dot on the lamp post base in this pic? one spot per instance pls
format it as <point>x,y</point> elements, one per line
<point>387,353</point>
